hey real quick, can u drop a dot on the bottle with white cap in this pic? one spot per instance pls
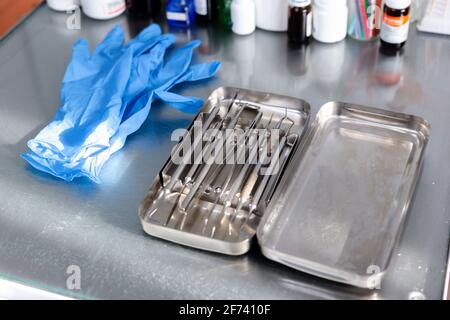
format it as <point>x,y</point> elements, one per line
<point>243,16</point>
<point>103,9</point>
<point>63,5</point>
<point>330,20</point>
<point>395,24</point>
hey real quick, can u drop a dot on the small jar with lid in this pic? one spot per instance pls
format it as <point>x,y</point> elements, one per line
<point>243,16</point>
<point>330,20</point>
<point>300,21</point>
<point>395,24</point>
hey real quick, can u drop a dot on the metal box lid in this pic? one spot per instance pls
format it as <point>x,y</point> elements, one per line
<point>343,199</point>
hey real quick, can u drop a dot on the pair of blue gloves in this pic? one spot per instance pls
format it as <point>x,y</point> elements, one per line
<point>107,96</point>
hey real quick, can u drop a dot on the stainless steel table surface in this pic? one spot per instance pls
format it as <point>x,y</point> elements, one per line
<point>47,225</point>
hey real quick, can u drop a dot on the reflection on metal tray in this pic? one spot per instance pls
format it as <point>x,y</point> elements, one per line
<point>216,205</point>
<point>343,199</point>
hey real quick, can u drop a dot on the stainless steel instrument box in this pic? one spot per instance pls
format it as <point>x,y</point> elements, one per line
<point>329,199</point>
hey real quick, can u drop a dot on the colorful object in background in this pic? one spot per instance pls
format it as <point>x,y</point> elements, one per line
<point>243,16</point>
<point>180,13</point>
<point>436,18</point>
<point>107,95</point>
<point>224,13</point>
<point>364,19</point>
<point>395,24</point>
<point>330,20</point>
<point>103,9</point>
<point>12,12</point>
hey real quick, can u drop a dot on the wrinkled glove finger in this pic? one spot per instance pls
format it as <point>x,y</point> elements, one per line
<point>145,66</point>
<point>197,72</point>
<point>185,104</point>
<point>178,63</point>
<point>80,50</point>
<point>203,71</point>
<point>111,44</point>
<point>79,66</point>
<point>140,43</point>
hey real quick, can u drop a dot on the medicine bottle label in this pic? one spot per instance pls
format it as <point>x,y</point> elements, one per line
<point>201,7</point>
<point>176,16</point>
<point>394,29</point>
<point>115,7</point>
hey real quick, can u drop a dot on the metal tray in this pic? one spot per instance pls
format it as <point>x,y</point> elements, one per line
<point>342,201</point>
<point>217,207</point>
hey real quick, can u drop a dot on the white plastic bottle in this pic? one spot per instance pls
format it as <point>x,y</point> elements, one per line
<point>63,5</point>
<point>272,15</point>
<point>103,9</point>
<point>243,16</point>
<point>330,20</point>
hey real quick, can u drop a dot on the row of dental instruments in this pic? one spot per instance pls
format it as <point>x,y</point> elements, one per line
<point>217,198</point>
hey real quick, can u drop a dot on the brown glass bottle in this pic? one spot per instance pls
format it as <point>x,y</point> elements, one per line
<point>299,21</point>
<point>394,26</point>
<point>144,8</point>
<point>205,11</point>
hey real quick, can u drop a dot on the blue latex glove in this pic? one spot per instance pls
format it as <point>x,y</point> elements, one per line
<point>107,96</point>
<point>91,95</point>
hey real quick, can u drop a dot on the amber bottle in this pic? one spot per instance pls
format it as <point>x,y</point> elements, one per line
<point>300,21</point>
